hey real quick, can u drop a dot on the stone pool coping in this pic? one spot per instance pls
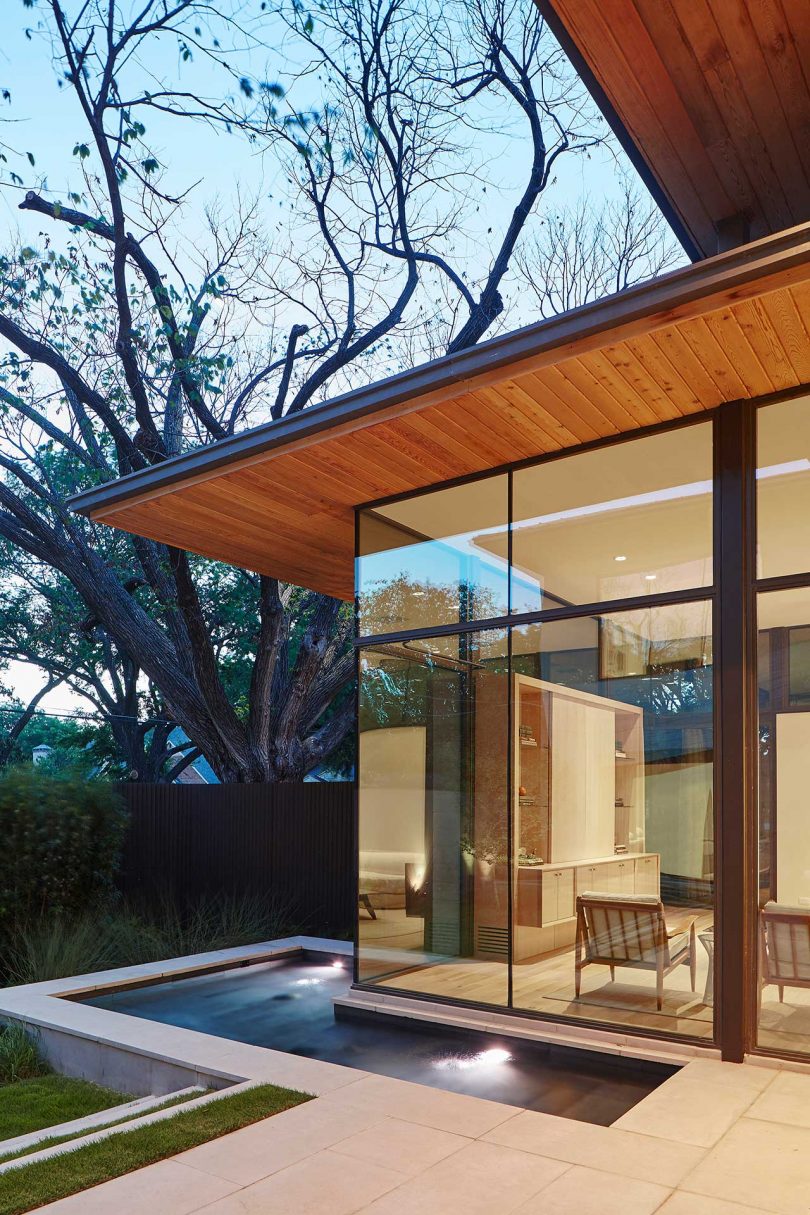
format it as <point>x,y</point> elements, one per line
<point>147,1058</point>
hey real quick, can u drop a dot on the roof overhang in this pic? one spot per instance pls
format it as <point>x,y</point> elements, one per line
<point>711,101</point>
<point>280,499</point>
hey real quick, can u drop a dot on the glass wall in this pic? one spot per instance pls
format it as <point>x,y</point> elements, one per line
<point>783,693</point>
<point>433,820</point>
<point>783,488</point>
<point>536,799</point>
<point>614,523</point>
<point>438,558</point>
<point>613,818</point>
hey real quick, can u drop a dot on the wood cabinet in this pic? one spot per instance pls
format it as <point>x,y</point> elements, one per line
<point>577,796</point>
<point>545,917</point>
<point>578,772</point>
<point>557,898</point>
<point>648,874</point>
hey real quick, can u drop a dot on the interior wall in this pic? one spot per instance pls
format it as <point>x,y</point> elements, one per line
<point>583,781</point>
<point>678,817</point>
<point>392,790</point>
<point>792,812</point>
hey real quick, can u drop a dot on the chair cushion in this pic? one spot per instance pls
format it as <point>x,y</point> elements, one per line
<point>786,909</point>
<point>650,899</point>
<point>787,943</point>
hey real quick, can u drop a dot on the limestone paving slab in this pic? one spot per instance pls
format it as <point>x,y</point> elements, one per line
<point>693,1107</point>
<point>786,1099</point>
<point>481,1179</point>
<point>407,1147</point>
<point>682,1203</point>
<point>446,1111</point>
<point>582,1191</point>
<point>266,1147</point>
<point>763,1164</point>
<point>600,1147</point>
<point>323,1184</point>
<point>166,1188</point>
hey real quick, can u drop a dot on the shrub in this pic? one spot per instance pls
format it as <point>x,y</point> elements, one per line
<point>20,1056</point>
<point>61,842</point>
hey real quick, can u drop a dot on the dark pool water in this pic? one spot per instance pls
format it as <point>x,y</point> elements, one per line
<point>288,1005</point>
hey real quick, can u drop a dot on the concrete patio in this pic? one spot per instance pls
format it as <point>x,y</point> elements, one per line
<point>715,1139</point>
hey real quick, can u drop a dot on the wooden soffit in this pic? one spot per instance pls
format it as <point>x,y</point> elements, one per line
<point>711,98</point>
<point>280,499</point>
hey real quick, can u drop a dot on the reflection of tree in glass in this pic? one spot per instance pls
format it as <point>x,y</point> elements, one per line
<point>393,692</point>
<point>405,602</point>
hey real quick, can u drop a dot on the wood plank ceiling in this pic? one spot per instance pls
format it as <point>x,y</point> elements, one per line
<point>715,96</point>
<point>729,328</point>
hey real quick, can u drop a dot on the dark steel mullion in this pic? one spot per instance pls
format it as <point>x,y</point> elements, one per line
<point>357,660</point>
<point>510,776</point>
<point>735,727</point>
<point>610,606</point>
<point>783,582</point>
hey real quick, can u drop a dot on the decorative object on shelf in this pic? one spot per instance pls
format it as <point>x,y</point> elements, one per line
<point>528,858</point>
<point>489,848</point>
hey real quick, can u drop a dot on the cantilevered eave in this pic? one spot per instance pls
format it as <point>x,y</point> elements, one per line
<point>689,292</point>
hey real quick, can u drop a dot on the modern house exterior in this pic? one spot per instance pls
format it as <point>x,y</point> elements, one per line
<point>579,558</point>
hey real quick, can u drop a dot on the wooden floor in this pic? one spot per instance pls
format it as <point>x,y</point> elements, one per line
<point>391,956</point>
<point>542,985</point>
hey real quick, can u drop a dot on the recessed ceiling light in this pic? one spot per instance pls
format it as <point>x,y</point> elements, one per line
<point>651,577</point>
<point>620,558</point>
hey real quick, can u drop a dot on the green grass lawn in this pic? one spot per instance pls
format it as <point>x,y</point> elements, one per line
<point>54,1140</point>
<point>30,1105</point>
<point>30,1186</point>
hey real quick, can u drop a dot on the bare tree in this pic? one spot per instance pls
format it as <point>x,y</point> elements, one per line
<point>391,177</point>
<point>126,339</point>
<point>582,254</point>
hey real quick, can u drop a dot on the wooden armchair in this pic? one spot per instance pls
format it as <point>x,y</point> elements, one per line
<point>784,947</point>
<point>631,930</point>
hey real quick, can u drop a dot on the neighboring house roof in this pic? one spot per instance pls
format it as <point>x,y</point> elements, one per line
<point>200,771</point>
<point>190,776</point>
<point>710,99</point>
<point>280,499</point>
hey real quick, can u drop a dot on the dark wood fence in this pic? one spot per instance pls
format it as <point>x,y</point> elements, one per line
<point>294,842</point>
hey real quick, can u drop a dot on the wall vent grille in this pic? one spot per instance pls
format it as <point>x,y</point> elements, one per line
<point>493,940</point>
<point>444,939</point>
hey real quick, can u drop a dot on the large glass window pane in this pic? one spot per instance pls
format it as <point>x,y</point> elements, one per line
<point>439,558</point>
<point>433,779</point>
<point>784,820</point>
<point>783,488</point>
<point>613,822</point>
<point>614,523</point>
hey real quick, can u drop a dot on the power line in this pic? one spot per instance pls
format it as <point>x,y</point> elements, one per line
<point>76,716</point>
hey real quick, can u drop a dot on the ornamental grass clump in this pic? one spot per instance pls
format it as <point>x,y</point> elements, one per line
<point>20,1056</point>
<point>129,933</point>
